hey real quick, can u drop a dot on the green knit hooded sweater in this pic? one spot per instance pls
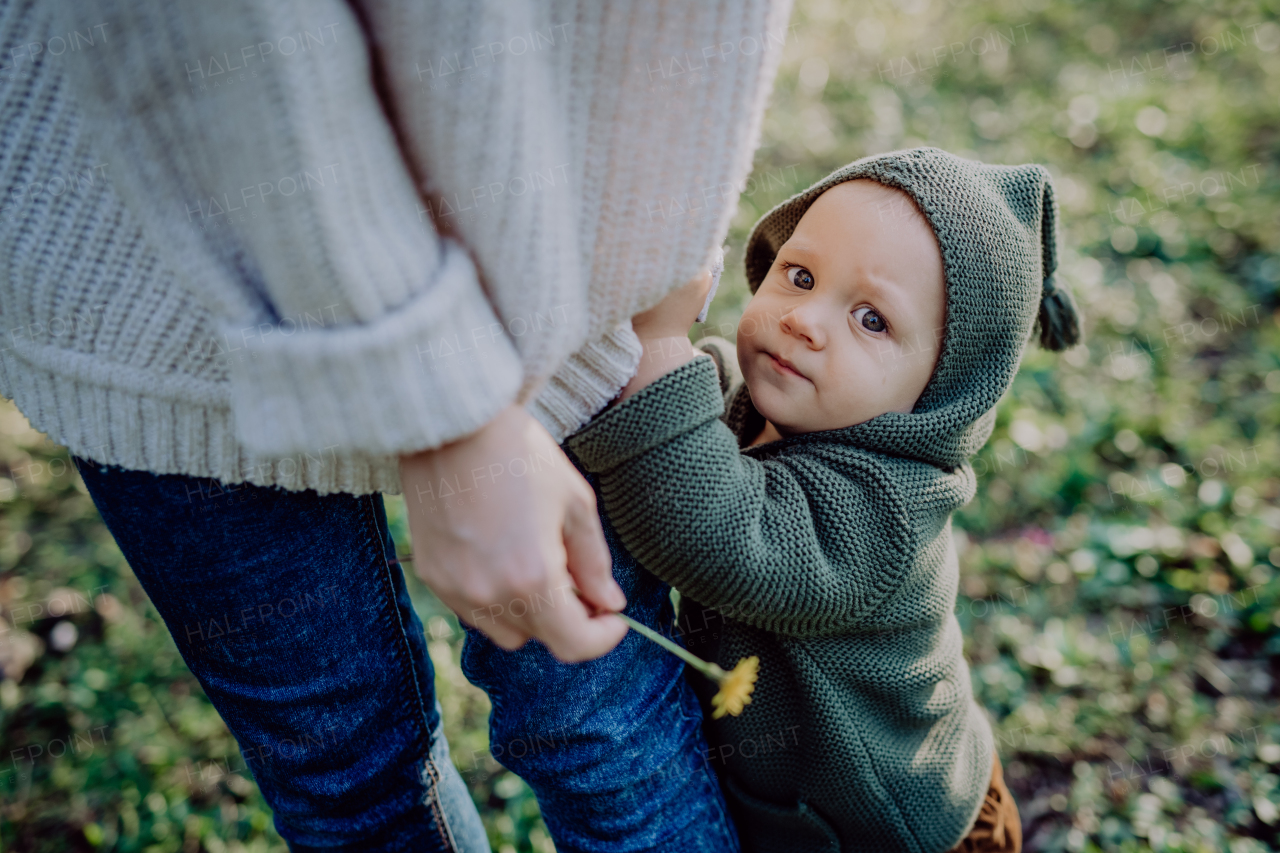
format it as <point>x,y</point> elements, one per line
<point>829,555</point>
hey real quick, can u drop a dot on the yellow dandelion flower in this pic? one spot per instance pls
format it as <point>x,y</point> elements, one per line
<point>736,687</point>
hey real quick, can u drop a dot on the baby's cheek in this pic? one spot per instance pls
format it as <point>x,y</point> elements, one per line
<point>845,408</point>
<point>748,368</point>
<point>883,355</point>
<point>750,326</point>
<point>854,393</point>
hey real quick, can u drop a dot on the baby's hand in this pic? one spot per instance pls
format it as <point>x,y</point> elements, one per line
<point>672,317</point>
<point>664,329</point>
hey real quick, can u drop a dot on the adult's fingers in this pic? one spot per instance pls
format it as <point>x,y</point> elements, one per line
<point>554,616</point>
<point>572,634</point>
<point>503,633</point>
<point>587,557</point>
<point>501,561</point>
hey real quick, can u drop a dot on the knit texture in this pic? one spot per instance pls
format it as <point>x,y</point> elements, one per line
<point>584,384</point>
<point>231,235</point>
<point>829,555</point>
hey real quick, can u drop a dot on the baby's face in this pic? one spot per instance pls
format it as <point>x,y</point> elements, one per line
<point>848,323</point>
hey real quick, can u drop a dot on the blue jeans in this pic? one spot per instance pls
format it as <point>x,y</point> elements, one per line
<point>289,609</point>
<point>613,748</point>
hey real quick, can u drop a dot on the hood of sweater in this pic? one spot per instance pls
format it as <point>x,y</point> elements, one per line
<point>996,226</point>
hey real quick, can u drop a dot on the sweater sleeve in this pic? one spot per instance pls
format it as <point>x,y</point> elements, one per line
<point>790,545</point>
<point>251,140</point>
<point>587,381</point>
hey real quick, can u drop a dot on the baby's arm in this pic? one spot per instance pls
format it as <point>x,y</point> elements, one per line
<point>774,543</point>
<point>663,330</point>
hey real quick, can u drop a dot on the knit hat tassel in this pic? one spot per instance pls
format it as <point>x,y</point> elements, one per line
<point>1059,319</point>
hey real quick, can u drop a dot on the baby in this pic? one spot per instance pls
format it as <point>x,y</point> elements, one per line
<point>810,523</point>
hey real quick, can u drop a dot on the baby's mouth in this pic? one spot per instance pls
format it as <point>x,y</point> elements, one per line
<point>785,367</point>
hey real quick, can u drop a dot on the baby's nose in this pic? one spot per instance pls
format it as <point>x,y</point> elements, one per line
<point>807,323</point>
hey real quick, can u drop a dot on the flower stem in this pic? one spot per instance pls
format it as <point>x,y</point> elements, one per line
<point>710,670</point>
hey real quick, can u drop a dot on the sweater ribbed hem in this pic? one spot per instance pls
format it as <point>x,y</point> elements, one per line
<point>141,432</point>
<point>587,381</point>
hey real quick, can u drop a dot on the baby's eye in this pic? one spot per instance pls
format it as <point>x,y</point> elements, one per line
<point>870,319</point>
<point>800,277</point>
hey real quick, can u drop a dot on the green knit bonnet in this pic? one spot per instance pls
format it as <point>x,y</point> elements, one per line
<point>996,226</point>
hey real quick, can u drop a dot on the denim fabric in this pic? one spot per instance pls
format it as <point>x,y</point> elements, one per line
<point>613,748</point>
<point>287,607</point>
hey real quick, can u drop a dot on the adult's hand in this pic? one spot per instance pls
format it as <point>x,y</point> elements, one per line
<point>503,529</point>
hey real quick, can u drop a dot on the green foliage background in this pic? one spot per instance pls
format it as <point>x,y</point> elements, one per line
<point>1120,598</point>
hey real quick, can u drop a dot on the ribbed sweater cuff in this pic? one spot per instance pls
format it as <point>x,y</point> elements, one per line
<point>587,381</point>
<point>683,400</point>
<point>432,371</point>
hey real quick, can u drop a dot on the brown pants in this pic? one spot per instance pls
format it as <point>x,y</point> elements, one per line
<point>999,828</point>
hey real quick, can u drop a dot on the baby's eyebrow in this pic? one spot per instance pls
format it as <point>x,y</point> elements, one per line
<point>885,293</point>
<point>800,248</point>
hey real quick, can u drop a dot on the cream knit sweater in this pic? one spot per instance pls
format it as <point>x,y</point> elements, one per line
<point>282,242</point>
